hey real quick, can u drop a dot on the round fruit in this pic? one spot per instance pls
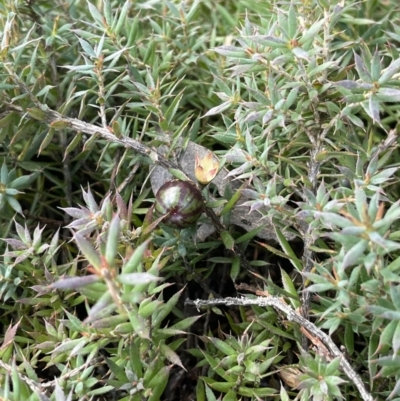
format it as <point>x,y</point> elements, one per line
<point>181,202</point>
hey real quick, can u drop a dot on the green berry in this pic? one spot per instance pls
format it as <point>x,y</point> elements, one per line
<point>181,202</point>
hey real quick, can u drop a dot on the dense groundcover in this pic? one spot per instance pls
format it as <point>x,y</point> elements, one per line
<point>270,271</point>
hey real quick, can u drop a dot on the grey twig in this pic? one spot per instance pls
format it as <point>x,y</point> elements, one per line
<point>74,124</point>
<point>35,387</point>
<point>386,144</point>
<point>40,388</point>
<point>51,116</point>
<point>293,316</point>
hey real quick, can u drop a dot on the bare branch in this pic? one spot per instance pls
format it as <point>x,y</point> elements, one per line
<point>35,387</point>
<point>293,316</point>
<point>77,125</point>
<point>74,124</point>
<point>41,388</point>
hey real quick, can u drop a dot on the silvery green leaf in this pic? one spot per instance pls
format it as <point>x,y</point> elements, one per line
<point>136,278</point>
<point>75,282</point>
<point>95,13</point>
<point>281,60</point>
<point>396,339</point>
<point>231,51</point>
<point>104,303</point>
<point>291,98</point>
<point>388,72</point>
<point>386,244</point>
<point>393,212</point>
<point>240,69</point>
<point>122,17</point>
<point>267,117</point>
<point>87,48</point>
<point>223,86</point>
<point>383,176</point>
<point>68,345</point>
<point>333,206</point>
<point>395,295</point>
<point>4,173</point>
<point>360,201</point>
<point>12,191</point>
<point>353,230</point>
<point>390,95</point>
<point>77,213</point>
<point>319,287</point>
<point>362,69</point>
<point>59,393</point>
<point>354,253</point>
<point>354,85</point>
<point>312,31</point>
<point>14,243</point>
<point>356,121</point>
<point>84,222</point>
<point>375,188</point>
<point>369,261</point>
<point>112,240</point>
<point>42,248</point>
<point>239,170</point>
<point>133,264</point>
<point>88,251</point>
<point>37,236</point>
<point>300,53</point>
<point>373,108</point>
<point>218,109</point>
<point>384,312</point>
<point>354,98</point>
<point>375,66</point>
<point>254,116</point>
<point>23,181</point>
<point>269,40</point>
<point>320,68</point>
<point>292,21</point>
<point>89,200</point>
<point>14,204</point>
<point>333,219</point>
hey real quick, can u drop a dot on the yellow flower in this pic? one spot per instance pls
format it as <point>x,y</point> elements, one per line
<point>206,168</point>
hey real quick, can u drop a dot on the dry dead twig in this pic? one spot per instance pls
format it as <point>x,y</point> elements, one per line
<point>316,335</point>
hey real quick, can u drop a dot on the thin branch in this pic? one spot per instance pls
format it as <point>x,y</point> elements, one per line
<point>316,139</point>
<point>100,81</point>
<point>386,144</point>
<point>35,387</point>
<point>129,178</point>
<point>314,169</point>
<point>74,124</point>
<point>293,316</point>
<point>308,254</point>
<point>40,388</point>
<point>51,116</point>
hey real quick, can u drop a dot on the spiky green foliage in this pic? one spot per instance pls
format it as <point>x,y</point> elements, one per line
<point>300,103</point>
